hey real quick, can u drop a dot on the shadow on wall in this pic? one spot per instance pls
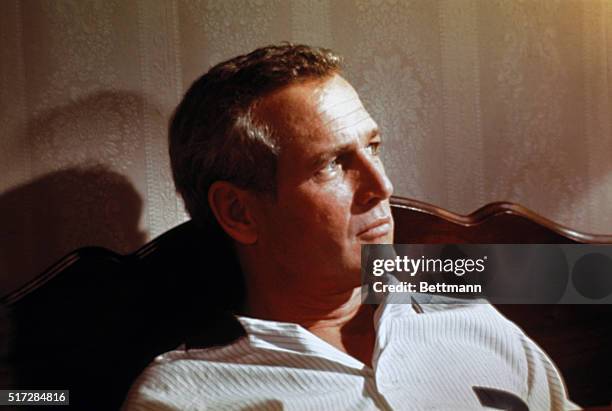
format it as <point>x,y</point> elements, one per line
<point>53,215</point>
<point>79,202</point>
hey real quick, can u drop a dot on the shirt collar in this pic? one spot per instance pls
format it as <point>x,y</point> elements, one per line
<point>293,338</point>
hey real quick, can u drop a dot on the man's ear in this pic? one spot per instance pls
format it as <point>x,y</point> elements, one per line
<point>232,208</point>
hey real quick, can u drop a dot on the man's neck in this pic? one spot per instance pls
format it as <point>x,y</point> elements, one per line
<point>355,336</point>
<point>340,320</point>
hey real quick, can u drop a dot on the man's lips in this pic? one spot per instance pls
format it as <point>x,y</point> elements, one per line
<point>380,227</point>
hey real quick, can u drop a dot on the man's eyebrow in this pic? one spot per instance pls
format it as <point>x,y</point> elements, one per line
<point>322,158</point>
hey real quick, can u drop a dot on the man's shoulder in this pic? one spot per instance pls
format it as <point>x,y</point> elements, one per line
<point>201,357</point>
<point>163,384</point>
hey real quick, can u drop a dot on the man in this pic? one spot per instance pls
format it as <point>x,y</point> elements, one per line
<point>277,149</point>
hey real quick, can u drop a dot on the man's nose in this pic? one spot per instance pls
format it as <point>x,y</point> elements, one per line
<point>374,185</point>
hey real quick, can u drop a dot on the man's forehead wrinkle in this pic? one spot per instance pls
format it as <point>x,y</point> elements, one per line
<point>327,127</point>
<point>354,122</point>
<point>328,119</point>
<point>328,107</point>
<point>369,135</point>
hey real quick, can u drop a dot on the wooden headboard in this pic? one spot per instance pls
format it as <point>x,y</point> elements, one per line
<point>495,223</point>
<point>95,319</point>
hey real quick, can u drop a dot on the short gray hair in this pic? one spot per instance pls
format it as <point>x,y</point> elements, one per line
<point>213,135</point>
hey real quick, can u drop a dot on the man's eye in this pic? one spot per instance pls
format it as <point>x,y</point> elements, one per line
<point>374,148</point>
<point>330,168</point>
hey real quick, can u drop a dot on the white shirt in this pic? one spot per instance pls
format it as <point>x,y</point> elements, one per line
<point>422,361</point>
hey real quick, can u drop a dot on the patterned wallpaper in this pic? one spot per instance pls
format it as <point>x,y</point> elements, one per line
<point>479,100</point>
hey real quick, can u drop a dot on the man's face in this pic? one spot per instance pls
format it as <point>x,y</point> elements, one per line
<point>332,190</point>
